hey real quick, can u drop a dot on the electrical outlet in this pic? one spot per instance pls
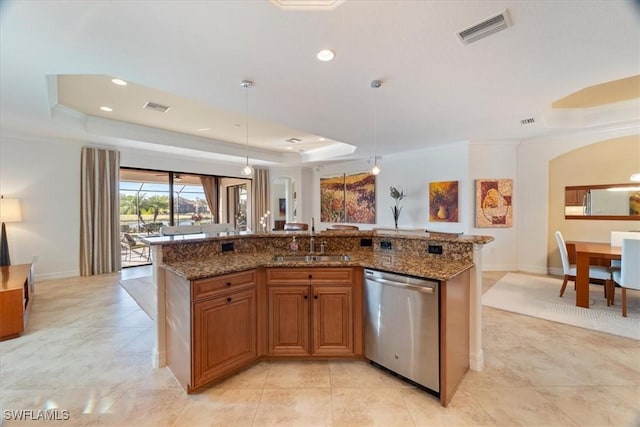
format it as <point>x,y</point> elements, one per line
<point>366,243</point>
<point>435,249</point>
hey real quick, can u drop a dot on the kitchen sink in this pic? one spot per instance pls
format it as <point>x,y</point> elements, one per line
<point>311,258</point>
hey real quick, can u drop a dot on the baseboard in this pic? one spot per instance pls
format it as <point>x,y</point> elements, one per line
<point>533,269</point>
<point>56,275</point>
<point>499,267</point>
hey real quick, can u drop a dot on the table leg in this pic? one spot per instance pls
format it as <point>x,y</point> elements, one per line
<point>582,279</point>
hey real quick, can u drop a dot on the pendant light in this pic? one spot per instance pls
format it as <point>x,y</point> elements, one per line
<point>375,170</point>
<point>247,170</point>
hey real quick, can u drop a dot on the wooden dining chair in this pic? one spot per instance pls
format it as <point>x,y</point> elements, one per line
<point>569,270</point>
<point>628,277</point>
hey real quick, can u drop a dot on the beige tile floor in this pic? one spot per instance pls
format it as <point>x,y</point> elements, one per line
<point>87,350</point>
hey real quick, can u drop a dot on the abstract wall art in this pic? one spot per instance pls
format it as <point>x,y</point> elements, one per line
<point>348,198</point>
<point>494,206</point>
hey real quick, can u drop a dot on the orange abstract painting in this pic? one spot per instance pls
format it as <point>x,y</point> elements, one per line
<point>494,206</point>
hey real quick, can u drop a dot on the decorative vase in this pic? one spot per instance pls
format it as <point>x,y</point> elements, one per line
<point>442,212</point>
<point>395,210</point>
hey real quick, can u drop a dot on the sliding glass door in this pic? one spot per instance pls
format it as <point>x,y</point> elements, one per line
<point>151,199</point>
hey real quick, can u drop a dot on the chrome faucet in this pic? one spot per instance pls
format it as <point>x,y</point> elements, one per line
<point>323,246</point>
<point>312,244</point>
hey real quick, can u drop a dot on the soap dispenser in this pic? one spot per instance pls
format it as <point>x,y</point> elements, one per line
<point>294,245</point>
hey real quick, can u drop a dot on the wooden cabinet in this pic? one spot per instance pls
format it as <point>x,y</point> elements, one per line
<point>211,326</point>
<point>332,316</point>
<point>311,311</point>
<point>288,317</point>
<point>454,334</point>
<point>224,335</point>
<point>15,299</point>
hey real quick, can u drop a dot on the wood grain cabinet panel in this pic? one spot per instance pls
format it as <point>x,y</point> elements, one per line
<point>214,286</point>
<point>332,320</point>
<point>288,320</point>
<point>16,289</point>
<point>224,332</point>
<point>311,311</point>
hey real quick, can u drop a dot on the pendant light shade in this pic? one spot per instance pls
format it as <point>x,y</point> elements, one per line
<point>375,170</point>
<point>247,170</point>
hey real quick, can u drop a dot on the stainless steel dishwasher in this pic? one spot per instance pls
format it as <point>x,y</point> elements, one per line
<point>402,326</point>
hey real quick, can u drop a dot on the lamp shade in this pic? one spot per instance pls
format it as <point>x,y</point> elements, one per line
<point>10,210</point>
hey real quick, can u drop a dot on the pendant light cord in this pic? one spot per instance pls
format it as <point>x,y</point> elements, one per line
<point>375,84</point>
<point>246,120</point>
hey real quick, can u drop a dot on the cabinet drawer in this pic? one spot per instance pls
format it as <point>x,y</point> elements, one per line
<point>203,288</point>
<point>296,276</point>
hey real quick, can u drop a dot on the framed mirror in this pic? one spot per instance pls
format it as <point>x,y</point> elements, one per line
<point>610,202</point>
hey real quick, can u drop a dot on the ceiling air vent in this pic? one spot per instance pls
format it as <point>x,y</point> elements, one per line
<point>293,140</point>
<point>527,121</point>
<point>156,107</point>
<point>485,28</point>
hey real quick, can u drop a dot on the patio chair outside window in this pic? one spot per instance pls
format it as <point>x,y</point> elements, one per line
<point>133,244</point>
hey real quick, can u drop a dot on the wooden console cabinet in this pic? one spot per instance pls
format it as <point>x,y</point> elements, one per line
<point>16,292</point>
<point>314,312</point>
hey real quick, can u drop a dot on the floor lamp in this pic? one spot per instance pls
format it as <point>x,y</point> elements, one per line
<point>9,212</point>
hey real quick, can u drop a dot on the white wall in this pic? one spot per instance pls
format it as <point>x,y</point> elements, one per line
<point>496,161</point>
<point>45,176</point>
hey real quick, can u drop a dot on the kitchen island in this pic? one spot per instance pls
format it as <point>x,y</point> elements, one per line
<point>227,300</point>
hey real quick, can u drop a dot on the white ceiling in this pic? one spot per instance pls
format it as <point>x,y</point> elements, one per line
<point>436,90</point>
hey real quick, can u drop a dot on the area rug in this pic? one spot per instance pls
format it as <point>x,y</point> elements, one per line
<point>142,291</point>
<point>537,296</point>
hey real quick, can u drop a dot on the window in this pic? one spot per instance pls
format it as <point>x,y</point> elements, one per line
<point>152,199</point>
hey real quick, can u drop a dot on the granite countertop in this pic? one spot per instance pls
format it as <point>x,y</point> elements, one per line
<point>403,234</point>
<point>439,269</point>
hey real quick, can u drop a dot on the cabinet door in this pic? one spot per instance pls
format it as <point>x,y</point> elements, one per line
<point>288,320</point>
<point>332,320</point>
<point>224,335</point>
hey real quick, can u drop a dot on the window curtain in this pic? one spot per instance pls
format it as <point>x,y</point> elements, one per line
<point>210,188</point>
<point>99,211</point>
<point>261,199</point>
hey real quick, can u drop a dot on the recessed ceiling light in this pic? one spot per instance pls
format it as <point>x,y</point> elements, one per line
<point>326,55</point>
<point>321,139</point>
<point>107,109</point>
<point>289,148</point>
<point>203,129</point>
<point>119,82</point>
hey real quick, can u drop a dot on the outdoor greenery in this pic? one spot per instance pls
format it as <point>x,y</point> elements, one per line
<point>154,205</point>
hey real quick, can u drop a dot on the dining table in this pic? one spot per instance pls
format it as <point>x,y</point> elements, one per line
<point>585,253</point>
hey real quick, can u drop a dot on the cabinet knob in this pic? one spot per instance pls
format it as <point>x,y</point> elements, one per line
<point>315,296</point>
<point>306,296</point>
<point>229,299</point>
<point>310,276</point>
<point>228,283</point>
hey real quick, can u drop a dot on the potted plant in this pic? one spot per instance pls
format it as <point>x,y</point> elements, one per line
<point>397,195</point>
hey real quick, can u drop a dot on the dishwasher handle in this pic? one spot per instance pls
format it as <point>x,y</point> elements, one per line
<point>423,289</point>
